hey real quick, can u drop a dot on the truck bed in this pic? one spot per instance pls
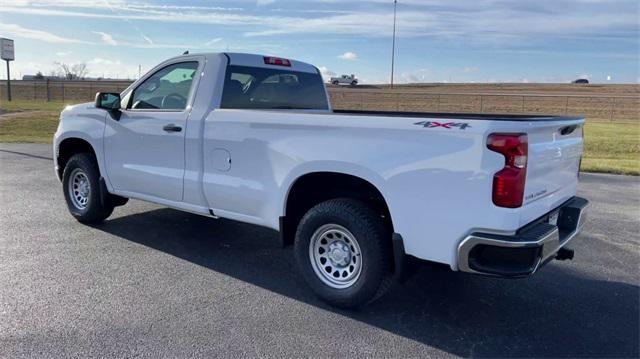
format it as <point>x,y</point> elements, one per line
<point>465,116</point>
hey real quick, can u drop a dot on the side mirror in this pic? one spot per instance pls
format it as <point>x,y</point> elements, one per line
<point>109,101</point>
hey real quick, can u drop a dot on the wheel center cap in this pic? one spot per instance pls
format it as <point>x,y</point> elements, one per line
<point>339,254</point>
<point>84,189</point>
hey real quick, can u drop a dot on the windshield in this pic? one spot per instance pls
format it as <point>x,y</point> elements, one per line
<point>261,88</point>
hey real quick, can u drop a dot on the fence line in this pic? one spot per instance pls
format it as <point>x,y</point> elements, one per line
<point>347,90</point>
<point>60,90</point>
<point>595,107</point>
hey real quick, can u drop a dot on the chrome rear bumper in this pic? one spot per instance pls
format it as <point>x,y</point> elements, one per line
<point>531,247</point>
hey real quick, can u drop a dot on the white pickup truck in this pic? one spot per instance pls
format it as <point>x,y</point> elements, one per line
<point>344,79</point>
<point>254,139</point>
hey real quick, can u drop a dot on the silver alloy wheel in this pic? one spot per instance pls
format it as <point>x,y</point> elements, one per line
<point>79,188</point>
<point>335,256</point>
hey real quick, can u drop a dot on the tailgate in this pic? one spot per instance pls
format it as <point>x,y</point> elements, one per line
<point>555,151</point>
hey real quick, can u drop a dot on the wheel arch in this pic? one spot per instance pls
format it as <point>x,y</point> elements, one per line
<point>313,187</point>
<point>70,146</point>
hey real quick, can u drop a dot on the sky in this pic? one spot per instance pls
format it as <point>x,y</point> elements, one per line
<point>437,40</point>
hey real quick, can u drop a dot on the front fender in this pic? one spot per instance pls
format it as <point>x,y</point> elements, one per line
<point>86,123</point>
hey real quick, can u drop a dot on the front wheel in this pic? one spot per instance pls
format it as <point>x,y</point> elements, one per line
<point>343,251</point>
<point>335,82</point>
<point>81,186</point>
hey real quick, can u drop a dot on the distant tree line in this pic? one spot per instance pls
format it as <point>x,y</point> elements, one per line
<point>72,72</point>
<point>64,71</point>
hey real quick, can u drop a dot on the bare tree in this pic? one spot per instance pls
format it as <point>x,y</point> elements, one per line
<point>80,70</point>
<point>65,69</point>
<point>75,71</point>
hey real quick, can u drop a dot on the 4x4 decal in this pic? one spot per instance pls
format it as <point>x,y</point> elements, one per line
<point>432,124</point>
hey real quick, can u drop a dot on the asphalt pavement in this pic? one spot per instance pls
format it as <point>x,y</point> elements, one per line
<point>155,282</point>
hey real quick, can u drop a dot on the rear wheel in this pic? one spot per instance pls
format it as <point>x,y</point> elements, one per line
<point>81,186</point>
<point>353,83</point>
<point>335,82</point>
<point>343,252</point>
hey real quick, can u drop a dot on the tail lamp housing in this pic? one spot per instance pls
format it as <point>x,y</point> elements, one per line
<point>508,183</point>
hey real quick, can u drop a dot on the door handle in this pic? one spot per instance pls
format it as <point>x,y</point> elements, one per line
<point>172,128</point>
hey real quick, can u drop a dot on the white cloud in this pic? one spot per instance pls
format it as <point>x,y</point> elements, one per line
<point>19,31</point>
<point>487,25</point>
<point>106,38</point>
<point>101,61</point>
<point>116,5</point>
<point>349,56</point>
<point>481,21</point>
<point>326,73</point>
<point>104,67</point>
<point>96,67</point>
<point>146,38</point>
<point>264,2</point>
<point>212,42</point>
<point>417,76</point>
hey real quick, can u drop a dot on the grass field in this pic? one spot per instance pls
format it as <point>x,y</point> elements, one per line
<point>612,148</point>
<point>609,147</point>
<point>597,103</point>
<point>29,121</point>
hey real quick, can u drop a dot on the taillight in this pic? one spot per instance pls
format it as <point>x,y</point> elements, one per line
<point>508,183</point>
<point>276,61</point>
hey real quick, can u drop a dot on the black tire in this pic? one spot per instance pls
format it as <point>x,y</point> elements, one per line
<point>93,211</point>
<point>336,83</point>
<point>374,242</point>
<point>353,83</point>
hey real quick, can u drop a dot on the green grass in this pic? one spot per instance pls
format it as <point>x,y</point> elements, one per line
<point>612,148</point>
<point>20,126</point>
<point>36,129</point>
<point>29,105</point>
<point>609,147</point>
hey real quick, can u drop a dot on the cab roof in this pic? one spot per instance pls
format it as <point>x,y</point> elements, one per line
<point>257,60</point>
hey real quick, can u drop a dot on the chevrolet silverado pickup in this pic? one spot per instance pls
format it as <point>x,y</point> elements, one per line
<point>253,138</point>
<point>344,79</point>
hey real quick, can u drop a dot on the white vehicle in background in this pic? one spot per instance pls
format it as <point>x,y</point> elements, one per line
<point>254,139</point>
<point>345,80</point>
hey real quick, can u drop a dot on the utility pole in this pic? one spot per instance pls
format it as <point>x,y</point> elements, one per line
<point>393,44</point>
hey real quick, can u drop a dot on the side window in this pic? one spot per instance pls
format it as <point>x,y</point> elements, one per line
<point>167,89</point>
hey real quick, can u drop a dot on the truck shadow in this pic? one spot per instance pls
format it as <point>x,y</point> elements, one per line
<point>557,313</point>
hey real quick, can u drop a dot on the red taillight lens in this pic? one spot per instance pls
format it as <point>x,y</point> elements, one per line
<point>508,183</point>
<point>276,61</point>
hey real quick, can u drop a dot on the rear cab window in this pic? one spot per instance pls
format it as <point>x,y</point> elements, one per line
<point>248,87</point>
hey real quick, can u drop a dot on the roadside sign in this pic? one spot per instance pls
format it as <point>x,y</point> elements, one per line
<point>7,54</point>
<point>6,49</point>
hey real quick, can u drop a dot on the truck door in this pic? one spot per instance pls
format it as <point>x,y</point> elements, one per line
<point>144,149</point>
